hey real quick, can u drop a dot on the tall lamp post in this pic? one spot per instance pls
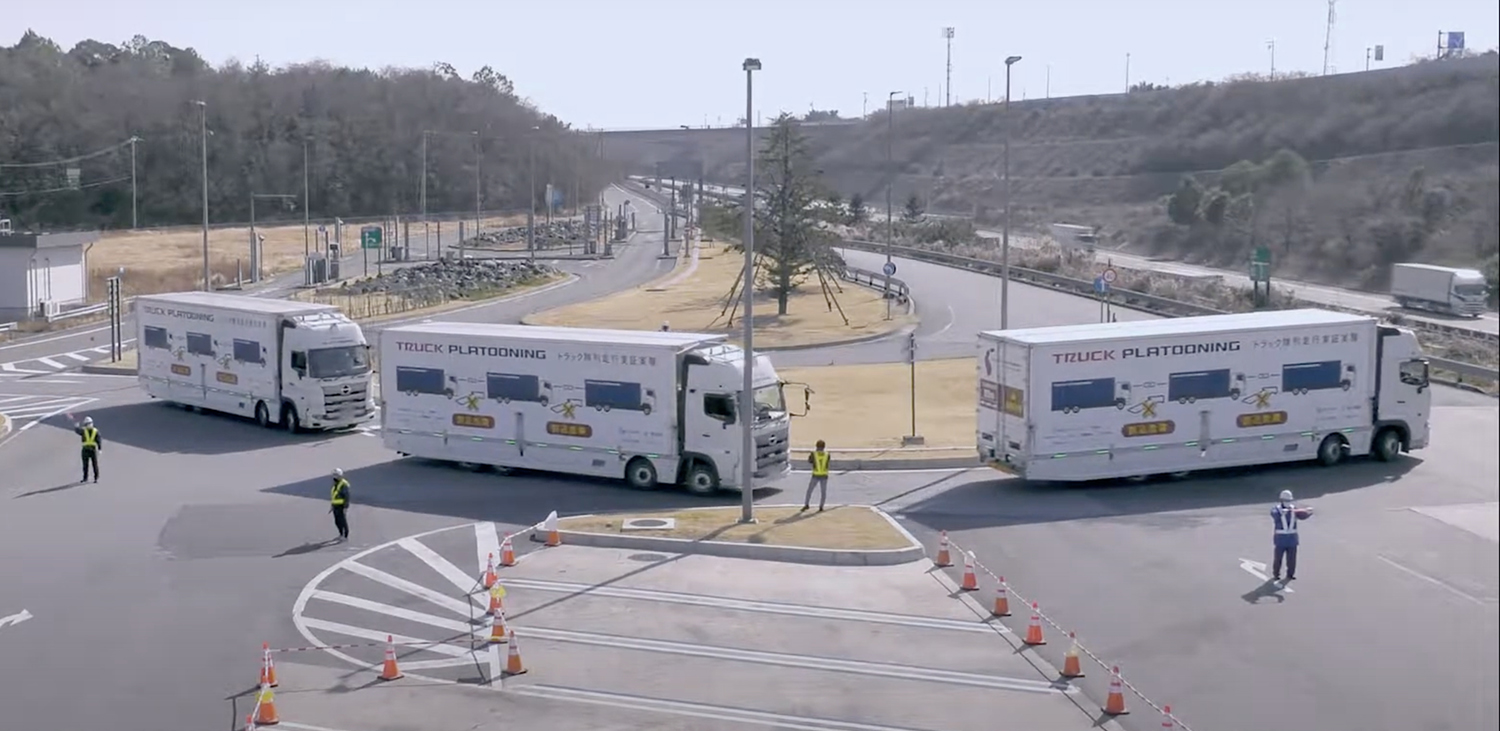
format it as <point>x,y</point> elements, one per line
<point>747,291</point>
<point>890,182</point>
<point>1005,230</point>
<point>203,132</point>
<point>426,234</point>
<point>531,187</point>
<point>478,187</point>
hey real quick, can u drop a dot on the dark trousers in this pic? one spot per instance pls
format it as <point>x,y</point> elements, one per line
<point>90,457</point>
<point>340,521</point>
<point>820,483</point>
<point>1290,554</point>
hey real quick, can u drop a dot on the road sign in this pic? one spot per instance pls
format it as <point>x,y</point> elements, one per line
<point>1100,285</point>
<point>1109,275</point>
<point>889,268</point>
<point>369,237</point>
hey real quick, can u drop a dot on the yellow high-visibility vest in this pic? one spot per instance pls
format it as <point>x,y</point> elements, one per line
<point>91,437</point>
<point>820,464</point>
<point>337,495</point>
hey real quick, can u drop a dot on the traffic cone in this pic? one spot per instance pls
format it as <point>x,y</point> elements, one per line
<point>1002,600</point>
<point>971,582</point>
<point>249,722</point>
<point>1071,667</point>
<point>553,539</point>
<point>267,667</point>
<point>513,664</point>
<point>489,572</point>
<point>1114,704</point>
<point>507,553</point>
<point>1166,718</point>
<point>497,626</point>
<point>265,708</point>
<point>390,671</point>
<point>1034,630</point>
<point>496,604</point>
<point>943,560</point>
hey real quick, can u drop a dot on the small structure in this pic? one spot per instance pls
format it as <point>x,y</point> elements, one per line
<point>41,274</point>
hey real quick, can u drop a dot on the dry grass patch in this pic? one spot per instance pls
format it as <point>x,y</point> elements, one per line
<point>696,303</point>
<point>842,527</point>
<point>157,261</point>
<point>869,406</point>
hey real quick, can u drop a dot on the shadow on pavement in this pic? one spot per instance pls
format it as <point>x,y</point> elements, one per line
<point>516,497</point>
<point>308,547</point>
<point>47,490</point>
<point>1005,502</point>
<point>157,426</point>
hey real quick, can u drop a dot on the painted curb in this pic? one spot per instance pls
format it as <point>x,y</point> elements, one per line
<point>754,552</point>
<point>104,370</point>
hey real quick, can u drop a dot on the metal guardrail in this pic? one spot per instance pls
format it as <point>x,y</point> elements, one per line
<point>876,280</point>
<point>1147,302</point>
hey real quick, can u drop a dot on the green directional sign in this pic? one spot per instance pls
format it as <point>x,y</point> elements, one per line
<point>369,237</point>
<point>1260,264</point>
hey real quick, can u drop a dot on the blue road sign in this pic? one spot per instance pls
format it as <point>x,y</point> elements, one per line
<point>1100,286</point>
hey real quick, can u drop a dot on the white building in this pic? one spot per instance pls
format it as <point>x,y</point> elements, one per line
<point>42,273</point>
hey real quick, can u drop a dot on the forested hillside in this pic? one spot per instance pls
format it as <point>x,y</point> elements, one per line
<point>66,118</point>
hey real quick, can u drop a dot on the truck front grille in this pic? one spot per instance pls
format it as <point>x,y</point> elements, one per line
<point>350,401</point>
<point>772,449</point>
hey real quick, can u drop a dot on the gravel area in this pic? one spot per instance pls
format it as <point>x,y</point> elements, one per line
<point>454,279</point>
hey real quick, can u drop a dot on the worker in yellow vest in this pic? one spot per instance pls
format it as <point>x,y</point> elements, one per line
<point>92,445</point>
<point>338,502</point>
<point>818,458</point>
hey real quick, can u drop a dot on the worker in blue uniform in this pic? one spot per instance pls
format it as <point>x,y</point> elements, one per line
<point>1285,515</point>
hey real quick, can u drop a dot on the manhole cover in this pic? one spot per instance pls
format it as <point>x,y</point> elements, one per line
<point>647,557</point>
<point>649,524</point>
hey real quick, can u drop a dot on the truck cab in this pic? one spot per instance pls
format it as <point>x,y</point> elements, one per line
<point>1403,395</point>
<point>325,372</point>
<point>712,382</point>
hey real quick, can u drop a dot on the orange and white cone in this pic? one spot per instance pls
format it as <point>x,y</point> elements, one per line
<point>513,664</point>
<point>1114,703</point>
<point>265,707</point>
<point>496,592</point>
<point>1071,666</point>
<point>1002,601</point>
<point>389,671</point>
<point>267,666</point>
<point>1166,718</point>
<point>971,582</point>
<point>249,722</point>
<point>553,537</point>
<point>497,626</point>
<point>507,553</point>
<point>943,560</point>
<point>489,572</point>
<point>1034,630</point>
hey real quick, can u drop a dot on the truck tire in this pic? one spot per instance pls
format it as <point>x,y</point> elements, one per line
<point>262,415</point>
<point>1387,445</point>
<point>640,474</point>
<point>1331,450</point>
<point>701,480</point>
<point>645,409</point>
<point>289,419</point>
<point>542,400</point>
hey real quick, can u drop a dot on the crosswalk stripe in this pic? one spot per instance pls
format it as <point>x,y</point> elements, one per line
<point>51,363</point>
<point>11,368</point>
<point>78,356</point>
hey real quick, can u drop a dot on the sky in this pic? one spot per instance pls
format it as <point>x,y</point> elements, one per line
<point>637,64</point>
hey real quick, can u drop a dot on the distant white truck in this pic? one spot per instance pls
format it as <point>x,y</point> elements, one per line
<point>1440,289</point>
<point>1172,396</point>
<point>294,364</point>
<point>650,407</point>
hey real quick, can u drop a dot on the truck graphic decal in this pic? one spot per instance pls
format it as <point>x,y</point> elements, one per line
<point>414,381</point>
<point>507,387</point>
<point>1194,386</point>
<point>623,395</point>
<point>1095,393</point>
<point>1323,375</point>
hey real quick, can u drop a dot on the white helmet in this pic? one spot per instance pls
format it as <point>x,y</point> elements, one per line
<point>88,421</point>
<point>1286,496</point>
<point>339,472</point>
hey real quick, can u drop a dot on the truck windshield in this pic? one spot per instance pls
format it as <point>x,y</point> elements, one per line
<point>353,360</point>
<point>1471,290</point>
<point>768,401</point>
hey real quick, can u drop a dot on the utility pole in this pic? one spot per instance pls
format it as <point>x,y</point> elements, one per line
<point>203,134</point>
<point>1005,231</point>
<point>426,240</point>
<point>531,195</point>
<point>1271,45</point>
<point>306,219</point>
<point>890,171</point>
<point>478,152</point>
<point>134,222</point>
<point>747,292</point>
<point>948,79</point>
<point>1127,77</point>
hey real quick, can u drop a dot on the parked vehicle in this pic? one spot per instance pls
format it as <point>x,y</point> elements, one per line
<point>1440,289</point>
<point>1204,392</point>
<point>294,364</point>
<point>650,407</point>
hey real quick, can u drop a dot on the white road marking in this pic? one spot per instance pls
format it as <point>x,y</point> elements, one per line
<point>38,409</point>
<point>451,625</point>
<point>951,319</point>
<point>15,619</point>
<point>1258,570</point>
<point>78,356</point>
<point>55,338</point>
<point>416,590</point>
<point>54,365</point>
<point>456,576</point>
<point>378,636</point>
<point>487,544</point>
<point>11,368</point>
<point>55,381</point>
<point>1455,591</point>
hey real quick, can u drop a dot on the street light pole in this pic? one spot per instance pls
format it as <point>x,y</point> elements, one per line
<point>306,217</point>
<point>1005,230</point>
<point>890,165</point>
<point>134,222</point>
<point>747,291</point>
<point>203,133</point>
<point>531,189</point>
<point>477,204</point>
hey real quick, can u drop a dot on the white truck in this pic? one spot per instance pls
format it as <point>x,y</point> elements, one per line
<point>1440,289</point>
<point>1173,396</point>
<point>295,364</point>
<point>650,407</point>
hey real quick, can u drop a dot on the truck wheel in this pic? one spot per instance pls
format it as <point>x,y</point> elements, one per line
<point>542,400</point>
<point>645,409</point>
<point>289,419</point>
<point>1331,451</point>
<point>701,480</point>
<point>641,474</point>
<point>262,415</point>
<point>1387,445</point>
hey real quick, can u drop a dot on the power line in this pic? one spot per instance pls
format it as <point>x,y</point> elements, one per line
<point>81,186</point>
<point>65,161</point>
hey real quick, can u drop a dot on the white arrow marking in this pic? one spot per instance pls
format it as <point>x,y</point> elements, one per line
<point>17,618</point>
<point>1258,570</point>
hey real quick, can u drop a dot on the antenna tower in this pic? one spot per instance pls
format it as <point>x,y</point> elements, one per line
<point>948,80</point>
<point>1328,38</point>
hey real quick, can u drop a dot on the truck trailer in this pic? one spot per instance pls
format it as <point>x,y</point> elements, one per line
<point>652,408</point>
<point>1173,396</point>
<point>295,364</point>
<point>1440,289</point>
